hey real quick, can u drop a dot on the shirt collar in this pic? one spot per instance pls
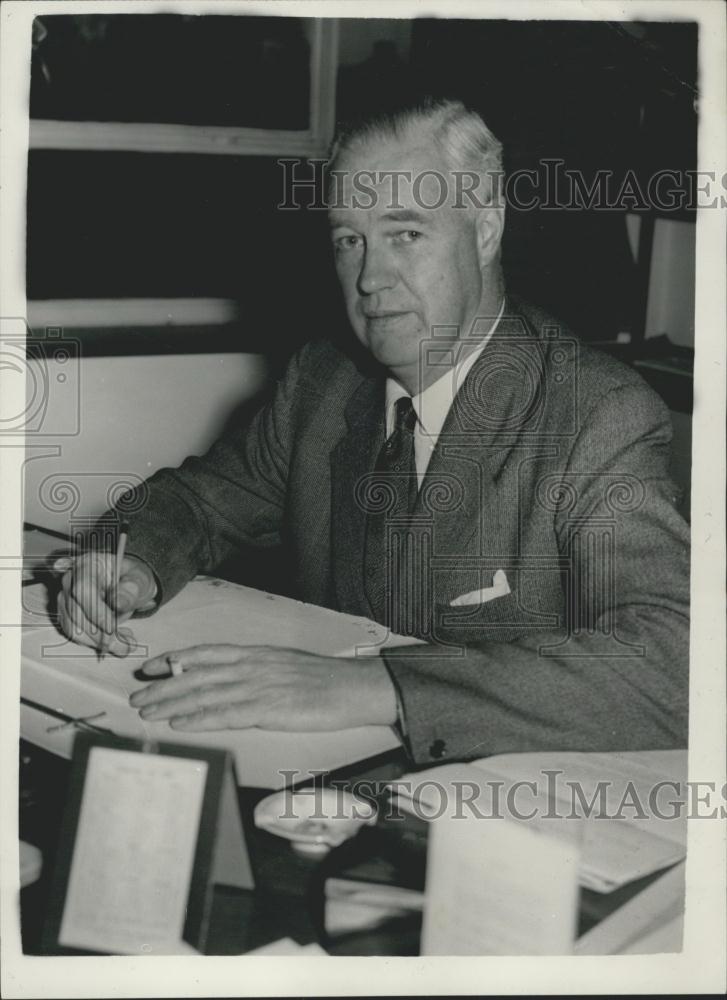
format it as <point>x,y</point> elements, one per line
<point>434,403</point>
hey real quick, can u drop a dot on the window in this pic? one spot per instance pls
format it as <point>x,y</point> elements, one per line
<point>175,239</point>
<point>239,85</point>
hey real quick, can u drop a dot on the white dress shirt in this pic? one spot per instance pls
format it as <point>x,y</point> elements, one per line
<point>434,403</point>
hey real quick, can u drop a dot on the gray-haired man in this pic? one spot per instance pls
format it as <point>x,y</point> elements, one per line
<point>484,482</point>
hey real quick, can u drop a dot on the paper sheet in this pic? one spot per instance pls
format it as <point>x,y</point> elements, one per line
<point>131,868</point>
<point>499,888</point>
<point>66,677</point>
<point>634,842</point>
<point>643,791</point>
<point>650,922</point>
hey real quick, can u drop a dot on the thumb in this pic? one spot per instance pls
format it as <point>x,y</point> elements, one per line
<point>126,596</point>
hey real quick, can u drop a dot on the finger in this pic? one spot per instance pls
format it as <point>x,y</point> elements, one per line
<point>195,679</point>
<point>240,715</point>
<point>121,643</point>
<point>207,655</point>
<point>191,702</point>
<point>69,629</point>
<point>136,588</point>
<point>124,599</point>
<point>122,603</point>
<point>78,627</point>
<point>88,589</point>
<point>76,617</point>
<point>170,687</point>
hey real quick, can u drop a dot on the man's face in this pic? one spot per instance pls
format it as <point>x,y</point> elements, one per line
<point>407,269</point>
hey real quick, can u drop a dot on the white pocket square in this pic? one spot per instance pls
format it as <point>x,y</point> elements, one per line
<point>499,588</point>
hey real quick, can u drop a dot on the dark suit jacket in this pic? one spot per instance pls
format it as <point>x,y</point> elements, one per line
<point>551,466</point>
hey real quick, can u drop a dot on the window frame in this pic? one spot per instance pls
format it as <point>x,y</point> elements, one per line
<point>149,137</point>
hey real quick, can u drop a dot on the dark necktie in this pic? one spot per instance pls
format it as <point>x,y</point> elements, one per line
<point>395,479</point>
<point>395,461</point>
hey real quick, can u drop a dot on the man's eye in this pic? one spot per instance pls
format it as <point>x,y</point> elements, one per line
<point>348,242</point>
<point>409,236</point>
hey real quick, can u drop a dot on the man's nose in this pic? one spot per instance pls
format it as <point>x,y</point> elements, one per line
<point>376,273</point>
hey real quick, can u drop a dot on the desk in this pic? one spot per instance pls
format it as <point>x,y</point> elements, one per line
<point>288,898</point>
<point>287,901</point>
<point>60,678</point>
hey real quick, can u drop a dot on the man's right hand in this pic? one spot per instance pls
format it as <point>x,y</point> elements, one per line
<point>90,606</point>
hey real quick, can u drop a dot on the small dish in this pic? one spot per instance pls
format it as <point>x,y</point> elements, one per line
<point>314,819</point>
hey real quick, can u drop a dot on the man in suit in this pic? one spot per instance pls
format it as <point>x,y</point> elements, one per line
<point>474,477</point>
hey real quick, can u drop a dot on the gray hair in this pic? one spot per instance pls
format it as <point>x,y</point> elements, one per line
<point>459,133</point>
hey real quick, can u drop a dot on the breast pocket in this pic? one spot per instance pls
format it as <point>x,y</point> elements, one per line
<point>500,619</point>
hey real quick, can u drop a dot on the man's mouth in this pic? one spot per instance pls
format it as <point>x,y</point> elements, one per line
<point>384,315</point>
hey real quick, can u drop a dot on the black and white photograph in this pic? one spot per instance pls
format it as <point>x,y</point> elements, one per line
<point>363,457</point>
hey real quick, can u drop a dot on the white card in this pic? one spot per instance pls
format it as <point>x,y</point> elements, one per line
<point>131,868</point>
<point>500,887</point>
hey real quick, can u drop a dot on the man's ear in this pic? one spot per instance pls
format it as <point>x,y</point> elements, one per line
<point>489,227</point>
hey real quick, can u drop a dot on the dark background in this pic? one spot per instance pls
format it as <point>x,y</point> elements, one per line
<point>109,225</point>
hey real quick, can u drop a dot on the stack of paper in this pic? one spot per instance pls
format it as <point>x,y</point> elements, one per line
<point>630,807</point>
<point>650,922</point>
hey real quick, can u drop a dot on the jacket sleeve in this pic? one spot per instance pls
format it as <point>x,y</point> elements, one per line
<point>615,675</point>
<point>187,520</point>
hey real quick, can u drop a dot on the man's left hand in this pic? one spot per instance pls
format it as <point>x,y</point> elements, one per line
<point>237,687</point>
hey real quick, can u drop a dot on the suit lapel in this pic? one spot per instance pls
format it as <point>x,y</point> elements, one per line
<point>354,456</point>
<point>496,401</point>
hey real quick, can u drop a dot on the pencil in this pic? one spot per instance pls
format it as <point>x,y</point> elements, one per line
<point>118,561</point>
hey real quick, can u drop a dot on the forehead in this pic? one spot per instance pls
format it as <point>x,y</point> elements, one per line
<point>382,176</point>
<point>392,153</point>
